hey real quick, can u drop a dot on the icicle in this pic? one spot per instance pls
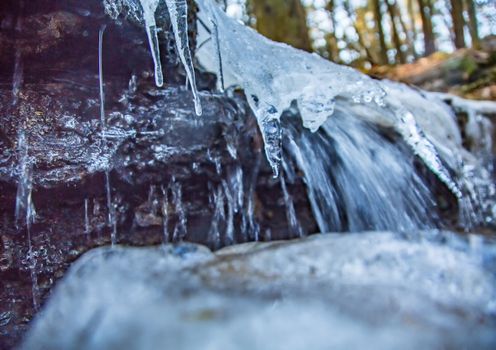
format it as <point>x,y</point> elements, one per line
<point>408,128</point>
<point>270,128</point>
<point>215,36</point>
<point>178,14</point>
<point>293,222</point>
<point>110,208</point>
<point>149,8</point>
<point>100,79</point>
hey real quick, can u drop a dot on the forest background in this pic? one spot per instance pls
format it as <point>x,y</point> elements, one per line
<point>439,45</point>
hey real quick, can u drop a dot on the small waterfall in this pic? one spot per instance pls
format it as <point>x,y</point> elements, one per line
<point>359,180</point>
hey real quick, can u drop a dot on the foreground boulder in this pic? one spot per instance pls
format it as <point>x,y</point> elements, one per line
<point>370,290</point>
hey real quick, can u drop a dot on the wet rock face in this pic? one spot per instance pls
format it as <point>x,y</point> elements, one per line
<point>172,176</point>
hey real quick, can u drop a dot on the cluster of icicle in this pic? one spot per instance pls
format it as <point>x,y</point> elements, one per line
<point>145,11</point>
<point>275,75</point>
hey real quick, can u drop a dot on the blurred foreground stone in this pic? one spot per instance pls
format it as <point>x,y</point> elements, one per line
<point>369,290</point>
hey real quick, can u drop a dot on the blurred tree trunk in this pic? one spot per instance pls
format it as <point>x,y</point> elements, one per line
<point>331,39</point>
<point>283,21</point>
<point>426,15</point>
<point>358,29</point>
<point>472,24</point>
<point>458,22</point>
<point>400,55</point>
<point>413,28</point>
<point>383,58</point>
<point>409,37</point>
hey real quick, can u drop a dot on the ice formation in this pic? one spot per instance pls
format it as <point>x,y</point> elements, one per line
<point>178,14</point>
<point>275,75</point>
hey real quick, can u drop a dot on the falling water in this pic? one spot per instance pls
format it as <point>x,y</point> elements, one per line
<point>229,237</point>
<point>181,228</point>
<point>293,223</point>
<point>25,211</point>
<point>253,226</point>
<point>359,180</point>
<point>112,222</point>
<point>86,217</point>
<point>217,202</point>
<point>18,77</point>
<point>165,214</point>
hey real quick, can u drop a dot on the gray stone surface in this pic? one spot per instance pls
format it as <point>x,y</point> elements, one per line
<point>370,290</point>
